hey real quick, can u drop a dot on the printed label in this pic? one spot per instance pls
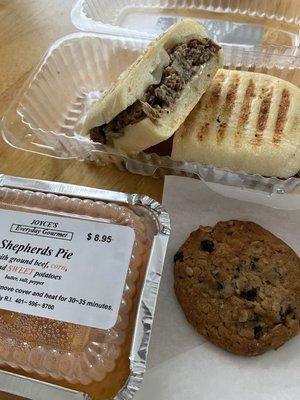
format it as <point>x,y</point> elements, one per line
<point>66,269</point>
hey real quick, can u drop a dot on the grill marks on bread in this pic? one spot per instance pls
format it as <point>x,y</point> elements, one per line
<point>228,106</point>
<point>220,101</point>
<point>282,116</point>
<point>245,110</point>
<point>212,96</point>
<point>246,122</point>
<point>263,115</point>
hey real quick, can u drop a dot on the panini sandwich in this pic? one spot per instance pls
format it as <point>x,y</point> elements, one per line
<point>245,121</point>
<point>153,97</point>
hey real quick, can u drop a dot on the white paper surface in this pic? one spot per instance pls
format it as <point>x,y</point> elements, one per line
<point>182,365</point>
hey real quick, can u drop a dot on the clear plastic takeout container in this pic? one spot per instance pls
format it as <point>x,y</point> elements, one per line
<point>244,23</point>
<point>85,359</point>
<point>46,117</point>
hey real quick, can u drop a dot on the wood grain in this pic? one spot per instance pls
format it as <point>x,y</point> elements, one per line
<point>27,29</point>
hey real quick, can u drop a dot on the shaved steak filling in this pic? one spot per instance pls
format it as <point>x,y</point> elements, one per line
<point>185,61</point>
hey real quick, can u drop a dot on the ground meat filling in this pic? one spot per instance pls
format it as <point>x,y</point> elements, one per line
<point>185,61</point>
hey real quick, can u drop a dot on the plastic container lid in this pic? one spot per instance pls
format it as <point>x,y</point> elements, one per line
<point>42,121</point>
<point>244,24</point>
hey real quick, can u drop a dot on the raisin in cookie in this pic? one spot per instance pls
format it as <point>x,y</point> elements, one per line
<point>239,287</point>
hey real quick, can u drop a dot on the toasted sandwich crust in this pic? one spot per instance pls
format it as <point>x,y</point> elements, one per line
<point>245,121</point>
<point>146,71</point>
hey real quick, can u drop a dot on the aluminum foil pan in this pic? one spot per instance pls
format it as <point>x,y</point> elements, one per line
<point>160,225</point>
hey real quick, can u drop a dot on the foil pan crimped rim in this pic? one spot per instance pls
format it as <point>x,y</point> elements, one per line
<point>40,390</point>
<point>147,303</point>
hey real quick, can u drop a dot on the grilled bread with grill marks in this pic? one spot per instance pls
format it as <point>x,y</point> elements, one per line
<point>125,117</point>
<point>245,121</point>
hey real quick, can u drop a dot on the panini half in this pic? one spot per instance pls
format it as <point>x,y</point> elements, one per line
<point>245,121</point>
<point>153,97</point>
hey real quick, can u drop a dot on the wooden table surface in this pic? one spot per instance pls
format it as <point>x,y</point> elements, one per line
<point>27,29</point>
